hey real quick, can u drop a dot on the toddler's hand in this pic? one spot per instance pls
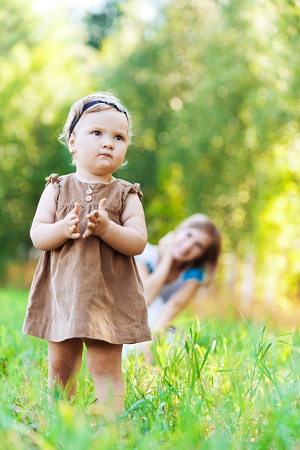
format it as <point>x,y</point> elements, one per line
<point>70,224</point>
<point>97,219</point>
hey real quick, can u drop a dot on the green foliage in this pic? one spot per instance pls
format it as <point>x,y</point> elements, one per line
<point>39,79</point>
<point>215,384</point>
<point>213,90</point>
<point>102,24</point>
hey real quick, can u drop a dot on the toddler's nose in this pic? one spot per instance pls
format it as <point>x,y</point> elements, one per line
<point>107,143</point>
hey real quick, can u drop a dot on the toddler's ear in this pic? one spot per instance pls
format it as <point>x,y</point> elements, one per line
<point>71,145</point>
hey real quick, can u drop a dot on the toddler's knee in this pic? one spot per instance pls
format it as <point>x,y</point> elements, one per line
<point>61,370</point>
<point>103,371</point>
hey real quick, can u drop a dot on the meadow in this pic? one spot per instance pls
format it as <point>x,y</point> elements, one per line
<point>219,383</point>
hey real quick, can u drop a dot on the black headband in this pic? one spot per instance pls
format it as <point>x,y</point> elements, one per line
<point>95,102</point>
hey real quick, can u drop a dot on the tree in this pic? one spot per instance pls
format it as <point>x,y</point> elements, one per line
<point>213,86</point>
<point>41,77</point>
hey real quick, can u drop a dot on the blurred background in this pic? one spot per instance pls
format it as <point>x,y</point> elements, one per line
<point>213,88</point>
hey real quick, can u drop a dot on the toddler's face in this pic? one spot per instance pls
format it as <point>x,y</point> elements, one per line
<point>99,142</point>
<point>189,244</point>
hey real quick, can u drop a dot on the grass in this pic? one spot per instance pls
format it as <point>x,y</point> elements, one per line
<point>220,384</point>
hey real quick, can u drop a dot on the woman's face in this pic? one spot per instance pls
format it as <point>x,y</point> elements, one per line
<point>189,244</point>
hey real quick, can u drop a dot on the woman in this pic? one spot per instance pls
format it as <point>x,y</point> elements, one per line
<point>173,270</point>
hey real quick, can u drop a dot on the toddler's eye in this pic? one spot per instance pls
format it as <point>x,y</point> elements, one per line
<point>119,138</point>
<point>97,133</point>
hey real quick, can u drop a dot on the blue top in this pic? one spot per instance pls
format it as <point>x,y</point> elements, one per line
<point>150,258</point>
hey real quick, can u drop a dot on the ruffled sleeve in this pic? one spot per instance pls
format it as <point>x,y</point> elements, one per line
<point>135,188</point>
<point>53,178</point>
<point>129,188</point>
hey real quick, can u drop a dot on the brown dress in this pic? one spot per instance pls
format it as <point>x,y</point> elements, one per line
<point>85,288</point>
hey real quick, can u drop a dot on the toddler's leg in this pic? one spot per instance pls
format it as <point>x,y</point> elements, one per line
<point>64,363</point>
<point>104,363</point>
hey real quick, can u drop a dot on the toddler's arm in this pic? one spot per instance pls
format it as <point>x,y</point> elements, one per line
<point>45,233</point>
<point>130,238</point>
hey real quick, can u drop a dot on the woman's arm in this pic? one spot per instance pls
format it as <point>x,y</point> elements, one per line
<point>176,304</point>
<point>45,233</point>
<point>130,238</point>
<point>153,282</point>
